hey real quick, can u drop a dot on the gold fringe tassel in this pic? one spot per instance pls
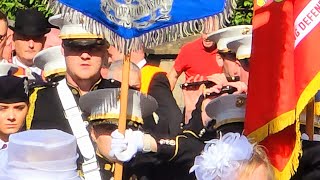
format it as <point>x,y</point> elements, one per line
<point>293,162</point>
<point>285,120</point>
<point>274,126</point>
<point>308,93</point>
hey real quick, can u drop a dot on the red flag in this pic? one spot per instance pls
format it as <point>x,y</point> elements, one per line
<point>306,53</point>
<point>284,76</point>
<point>280,82</point>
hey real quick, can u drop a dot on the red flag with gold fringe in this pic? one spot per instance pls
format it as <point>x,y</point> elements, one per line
<point>284,76</point>
<point>306,52</point>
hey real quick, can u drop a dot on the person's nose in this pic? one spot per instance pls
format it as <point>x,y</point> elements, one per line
<point>31,43</point>
<point>85,56</point>
<point>11,115</point>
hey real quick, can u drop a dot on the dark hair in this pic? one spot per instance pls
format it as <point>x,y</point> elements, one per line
<point>3,17</point>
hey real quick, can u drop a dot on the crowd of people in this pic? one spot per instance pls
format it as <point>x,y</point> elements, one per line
<point>60,108</point>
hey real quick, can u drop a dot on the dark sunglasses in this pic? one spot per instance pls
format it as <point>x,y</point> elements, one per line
<point>89,48</point>
<point>80,45</point>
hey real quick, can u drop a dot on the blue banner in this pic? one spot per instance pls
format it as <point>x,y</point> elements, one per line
<point>133,18</point>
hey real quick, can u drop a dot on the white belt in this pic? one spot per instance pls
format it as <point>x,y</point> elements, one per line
<point>73,115</point>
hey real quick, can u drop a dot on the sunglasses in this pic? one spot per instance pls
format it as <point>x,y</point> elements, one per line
<point>89,48</point>
<point>80,45</point>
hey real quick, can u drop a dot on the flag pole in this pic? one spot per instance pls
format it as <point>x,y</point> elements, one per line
<point>123,109</point>
<point>310,119</point>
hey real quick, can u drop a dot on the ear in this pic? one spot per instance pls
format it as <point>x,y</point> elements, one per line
<point>93,134</point>
<point>219,60</point>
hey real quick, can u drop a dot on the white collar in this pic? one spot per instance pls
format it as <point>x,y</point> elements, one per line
<point>141,63</point>
<point>16,61</point>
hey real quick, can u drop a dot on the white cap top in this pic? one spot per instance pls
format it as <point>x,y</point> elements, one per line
<point>41,154</point>
<point>241,45</point>
<point>221,37</point>
<point>50,61</point>
<point>70,30</point>
<point>227,109</point>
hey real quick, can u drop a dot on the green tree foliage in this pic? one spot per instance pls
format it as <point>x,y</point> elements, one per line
<point>243,13</point>
<point>10,7</point>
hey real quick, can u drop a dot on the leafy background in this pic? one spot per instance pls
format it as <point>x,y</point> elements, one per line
<point>242,14</point>
<point>10,7</point>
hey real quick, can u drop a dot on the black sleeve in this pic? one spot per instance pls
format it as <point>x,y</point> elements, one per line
<point>170,116</point>
<point>180,153</point>
<point>309,163</point>
<point>195,123</point>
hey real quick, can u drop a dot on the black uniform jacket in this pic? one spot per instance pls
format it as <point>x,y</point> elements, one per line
<point>106,168</point>
<point>177,153</point>
<point>309,163</point>
<point>46,111</point>
<point>168,112</point>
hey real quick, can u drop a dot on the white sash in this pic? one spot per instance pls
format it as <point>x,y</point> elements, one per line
<point>73,115</point>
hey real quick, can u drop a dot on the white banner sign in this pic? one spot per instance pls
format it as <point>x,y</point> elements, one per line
<point>306,20</point>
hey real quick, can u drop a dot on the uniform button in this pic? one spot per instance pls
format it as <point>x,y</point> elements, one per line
<point>74,91</point>
<point>162,141</point>
<point>107,167</point>
<point>172,142</point>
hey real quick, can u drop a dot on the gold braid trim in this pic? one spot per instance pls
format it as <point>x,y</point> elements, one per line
<point>308,93</point>
<point>79,36</point>
<point>56,72</point>
<point>177,146</point>
<point>191,132</point>
<point>32,104</point>
<point>285,120</point>
<point>114,116</point>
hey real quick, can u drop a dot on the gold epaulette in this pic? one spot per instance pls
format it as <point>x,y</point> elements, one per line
<point>32,103</point>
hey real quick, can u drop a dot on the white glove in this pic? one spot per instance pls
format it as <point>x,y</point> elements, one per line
<point>123,148</point>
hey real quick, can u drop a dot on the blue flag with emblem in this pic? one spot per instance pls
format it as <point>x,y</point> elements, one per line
<point>128,23</point>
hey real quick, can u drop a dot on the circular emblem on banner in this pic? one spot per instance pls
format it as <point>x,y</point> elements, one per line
<point>136,13</point>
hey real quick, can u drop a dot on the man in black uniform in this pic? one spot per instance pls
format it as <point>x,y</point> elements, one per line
<point>83,57</point>
<point>55,105</point>
<point>167,118</point>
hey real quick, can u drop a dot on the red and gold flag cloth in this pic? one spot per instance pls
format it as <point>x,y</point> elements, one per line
<point>284,76</point>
